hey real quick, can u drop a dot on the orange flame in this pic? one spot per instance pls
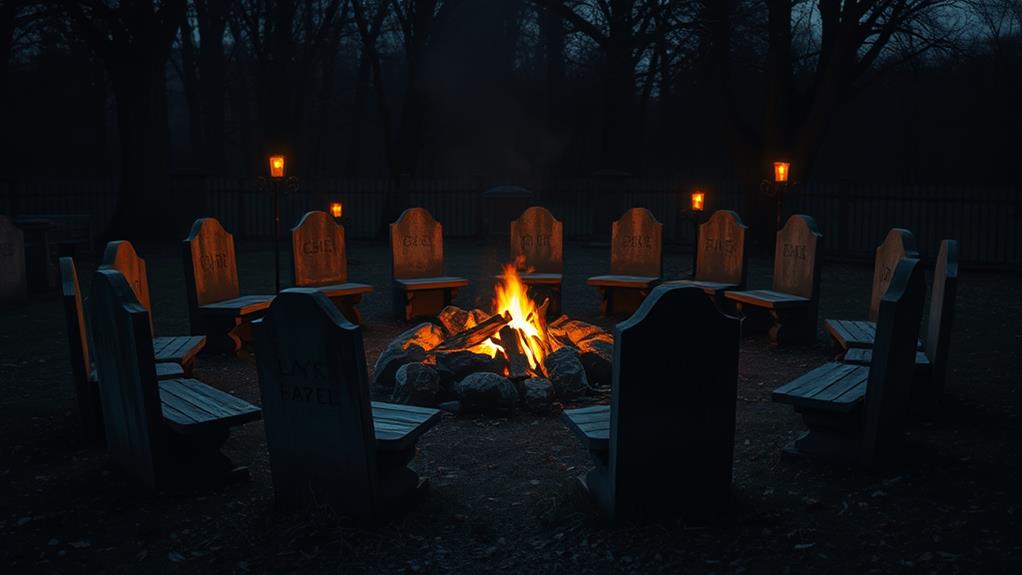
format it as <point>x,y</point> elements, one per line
<point>511,298</point>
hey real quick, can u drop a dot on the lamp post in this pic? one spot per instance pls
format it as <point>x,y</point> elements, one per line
<point>697,203</point>
<point>336,210</point>
<point>778,187</point>
<point>278,170</point>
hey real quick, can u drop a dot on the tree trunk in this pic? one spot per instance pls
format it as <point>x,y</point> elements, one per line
<point>145,209</point>
<point>212,21</point>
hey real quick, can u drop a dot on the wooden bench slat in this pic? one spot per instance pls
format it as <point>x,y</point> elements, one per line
<point>201,408</point>
<point>414,284</point>
<point>623,281</point>
<point>832,386</point>
<point>239,306</point>
<point>180,348</point>
<point>349,288</point>
<point>864,356</point>
<point>537,278</point>
<point>237,405</point>
<point>708,287</point>
<point>591,425</point>
<point>810,378</point>
<point>169,371</point>
<point>767,298</point>
<point>399,426</point>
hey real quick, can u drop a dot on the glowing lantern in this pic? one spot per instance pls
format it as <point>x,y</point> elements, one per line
<point>698,200</point>
<point>781,171</point>
<point>336,209</point>
<point>276,166</point>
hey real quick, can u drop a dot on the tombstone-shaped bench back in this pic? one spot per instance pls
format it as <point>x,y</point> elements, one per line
<point>78,346</point>
<point>942,312</point>
<point>121,256</point>
<point>537,240</point>
<point>898,244</point>
<point>211,271</point>
<point>721,256</point>
<point>673,403</point>
<point>797,258</point>
<point>319,255</point>
<point>890,373</point>
<point>12,262</point>
<point>123,346</point>
<point>636,244</point>
<point>315,400</point>
<point>417,245</point>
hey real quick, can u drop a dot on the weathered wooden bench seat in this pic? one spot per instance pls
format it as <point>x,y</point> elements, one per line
<point>537,250</point>
<point>856,413</point>
<point>168,433</point>
<point>431,283</point>
<point>898,243</point>
<point>636,261</point>
<point>183,350</point>
<point>328,443</point>
<point>720,255</point>
<point>769,299</point>
<point>539,279</point>
<point>794,298</point>
<point>631,282</point>
<point>239,307</point>
<point>319,259</point>
<point>216,307</point>
<point>398,427</point>
<point>591,425</point>
<point>190,406</point>
<point>417,266</point>
<point>668,451</point>
<point>833,386</point>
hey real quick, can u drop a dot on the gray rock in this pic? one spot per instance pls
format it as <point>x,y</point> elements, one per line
<point>564,368</point>
<point>597,356</point>
<point>416,384</point>
<point>391,360</point>
<point>450,406</point>
<point>538,396</point>
<point>456,365</point>
<point>487,393</point>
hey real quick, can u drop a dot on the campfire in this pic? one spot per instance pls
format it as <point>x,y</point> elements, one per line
<point>464,355</point>
<point>517,330</point>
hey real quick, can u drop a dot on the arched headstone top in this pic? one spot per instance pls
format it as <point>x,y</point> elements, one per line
<point>889,385</point>
<point>537,237</point>
<point>318,251</point>
<point>417,245</point>
<point>132,415</point>
<point>899,243</point>
<point>74,312</point>
<point>316,404</point>
<point>796,257</point>
<point>121,255</point>
<point>209,252</point>
<point>13,279</point>
<point>636,244</point>
<point>696,408</point>
<point>721,256</point>
<point>942,310</point>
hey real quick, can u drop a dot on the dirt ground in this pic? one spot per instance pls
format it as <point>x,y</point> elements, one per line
<point>503,497</point>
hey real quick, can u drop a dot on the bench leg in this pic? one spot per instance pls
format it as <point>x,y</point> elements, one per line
<point>422,303</point>
<point>224,335</point>
<point>347,305</point>
<point>831,437</point>
<point>791,326</point>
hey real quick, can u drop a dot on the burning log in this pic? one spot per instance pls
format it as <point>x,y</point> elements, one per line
<point>517,362</point>
<point>541,323</point>
<point>475,335</point>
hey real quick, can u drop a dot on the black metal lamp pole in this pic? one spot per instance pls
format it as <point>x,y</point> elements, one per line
<point>695,211</point>
<point>274,182</point>
<point>777,188</point>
